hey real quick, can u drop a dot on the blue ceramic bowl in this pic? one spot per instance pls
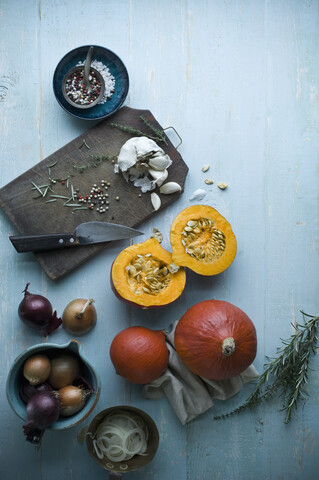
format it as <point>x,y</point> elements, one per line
<point>15,377</point>
<point>117,69</point>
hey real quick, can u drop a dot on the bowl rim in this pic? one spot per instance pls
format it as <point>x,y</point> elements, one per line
<point>78,115</point>
<point>17,364</point>
<point>99,417</point>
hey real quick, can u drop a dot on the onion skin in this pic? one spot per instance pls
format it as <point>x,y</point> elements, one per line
<point>79,316</point>
<point>72,399</point>
<point>37,369</point>
<point>43,410</point>
<point>139,354</point>
<point>27,391</point>
<point>64,369</point>
<point>199,337</point>
<point>36,312</point>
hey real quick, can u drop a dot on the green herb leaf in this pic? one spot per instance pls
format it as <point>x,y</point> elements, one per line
<point>288,370</point>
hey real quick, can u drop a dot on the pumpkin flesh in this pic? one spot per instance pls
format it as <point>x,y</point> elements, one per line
<point>202,240</point>
<point>216,340</point>
<point>140,275</point>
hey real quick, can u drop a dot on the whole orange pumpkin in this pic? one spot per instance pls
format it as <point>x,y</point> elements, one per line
<point>216,340</point>
<point>139,354</point>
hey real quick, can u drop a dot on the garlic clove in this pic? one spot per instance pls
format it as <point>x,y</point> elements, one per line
<point>170,187</point>
<point>156,201</point>
<point>159,176</point>
<point>160,163</point>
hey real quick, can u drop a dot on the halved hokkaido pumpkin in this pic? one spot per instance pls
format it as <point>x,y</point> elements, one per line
<point>202,240</point>
<point>141,275</point>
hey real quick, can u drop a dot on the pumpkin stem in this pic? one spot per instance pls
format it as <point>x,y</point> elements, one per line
<point>228,346</point>
<point>157,234</point>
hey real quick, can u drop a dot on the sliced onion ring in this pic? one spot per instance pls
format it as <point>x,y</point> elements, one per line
<point>120,436</point>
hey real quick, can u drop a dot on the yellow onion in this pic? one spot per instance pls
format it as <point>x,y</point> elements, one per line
<point>72,399</point>
<point>37,369</point>
<point>79,316</point>
<point>64,369</point>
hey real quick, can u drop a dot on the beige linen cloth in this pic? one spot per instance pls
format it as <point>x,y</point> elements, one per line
<point>189,394</point>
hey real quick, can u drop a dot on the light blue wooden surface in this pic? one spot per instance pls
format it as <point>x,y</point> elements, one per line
<point>239,80</point>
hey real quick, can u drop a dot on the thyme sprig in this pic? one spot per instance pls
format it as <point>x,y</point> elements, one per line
<point>157,134</point>
<point>95,161</point>
<point>288,370</point>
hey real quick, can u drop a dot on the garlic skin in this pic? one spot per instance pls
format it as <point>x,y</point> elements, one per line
<point>143,162</point>
<point>156,201</point>
<point>170,187</point>
<point>199,194</point>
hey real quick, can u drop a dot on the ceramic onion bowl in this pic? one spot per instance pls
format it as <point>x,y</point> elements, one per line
<point>15,377</point>
<point>138,461</point>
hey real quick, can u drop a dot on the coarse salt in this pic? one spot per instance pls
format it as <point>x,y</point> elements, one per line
<point>108,78</point>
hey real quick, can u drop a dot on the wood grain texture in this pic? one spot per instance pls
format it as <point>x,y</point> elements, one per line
<point>240,82</point>
<point>31,213</point>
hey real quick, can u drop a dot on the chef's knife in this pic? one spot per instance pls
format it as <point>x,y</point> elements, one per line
<point>84,234</point>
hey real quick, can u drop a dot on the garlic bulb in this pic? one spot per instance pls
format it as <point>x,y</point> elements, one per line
<point>143,162</point>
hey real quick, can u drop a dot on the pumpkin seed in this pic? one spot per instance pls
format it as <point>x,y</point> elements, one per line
<point>205,168</point>
<point>194,241</point>
<point>146,290</point>
<point>132,270</point>
<point>209,181</point>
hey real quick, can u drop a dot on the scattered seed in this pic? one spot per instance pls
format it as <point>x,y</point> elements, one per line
<point>209,181</point>
<point>205,168</point>
<point>222,185</point>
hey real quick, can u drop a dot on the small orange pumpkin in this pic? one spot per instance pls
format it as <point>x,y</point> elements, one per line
<point>139,354</point>
<point>202,240</point>
<point>216,340</point>
<point>141,275</point>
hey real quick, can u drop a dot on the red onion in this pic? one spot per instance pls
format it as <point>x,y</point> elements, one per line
<point>43,409</point>
<point>27,391</point>
<point>36,312</point>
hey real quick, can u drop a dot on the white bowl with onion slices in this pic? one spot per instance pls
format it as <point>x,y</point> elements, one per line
<point>122,438</point>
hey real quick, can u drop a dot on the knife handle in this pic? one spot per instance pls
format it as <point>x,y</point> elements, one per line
<point>40,243</point>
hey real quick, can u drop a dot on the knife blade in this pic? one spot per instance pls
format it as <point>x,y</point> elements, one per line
<point>85,234</point>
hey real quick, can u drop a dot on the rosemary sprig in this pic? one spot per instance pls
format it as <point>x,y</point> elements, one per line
<point>289,370</point>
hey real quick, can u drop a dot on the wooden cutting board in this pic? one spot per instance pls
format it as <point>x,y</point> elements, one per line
<point>33,216</point>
